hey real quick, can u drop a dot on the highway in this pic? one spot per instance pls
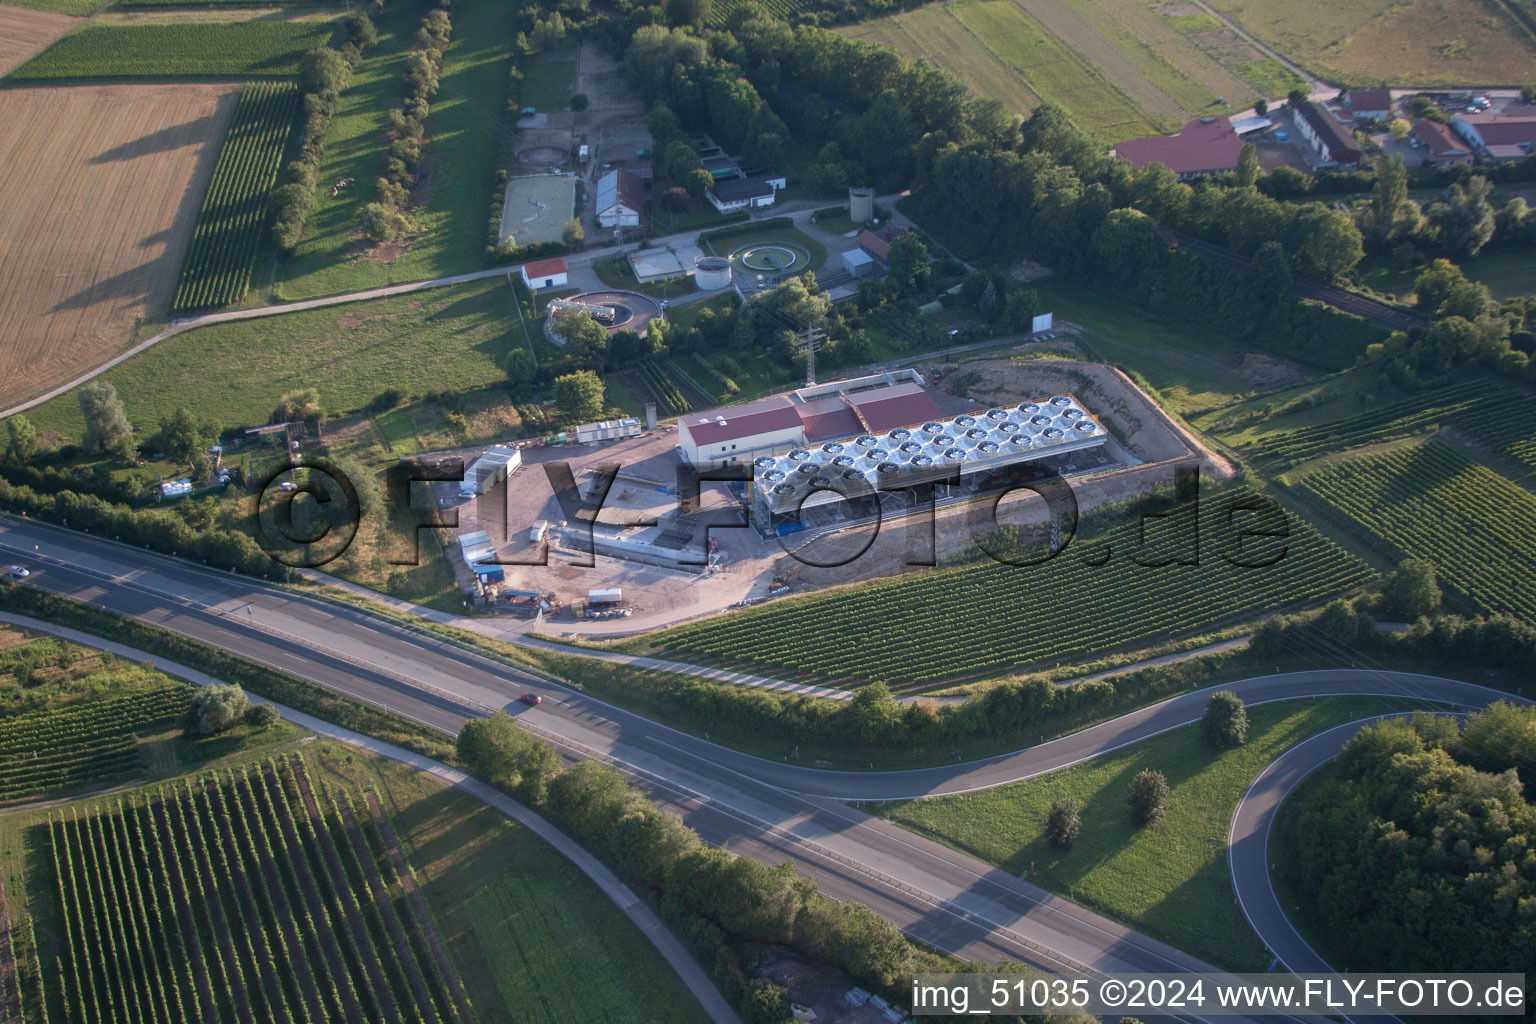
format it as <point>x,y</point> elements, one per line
<point>767,810</point>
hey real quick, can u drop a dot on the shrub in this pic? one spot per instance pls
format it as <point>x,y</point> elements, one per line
<point>1063,823</point>
<point>1149,796</point>
<point>261,716</point>
<point>1226,721</point>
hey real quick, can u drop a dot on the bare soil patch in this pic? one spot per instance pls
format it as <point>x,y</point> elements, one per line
<point>103,188</point>
<point>24,31</point>
<point>1028,270</point>
<point>1265,373</point>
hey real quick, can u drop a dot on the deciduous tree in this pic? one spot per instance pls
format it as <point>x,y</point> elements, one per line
<point>579,395</point>
<point>1225,724</point>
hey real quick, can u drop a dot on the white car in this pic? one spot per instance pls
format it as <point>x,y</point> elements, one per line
<point>20,572</point>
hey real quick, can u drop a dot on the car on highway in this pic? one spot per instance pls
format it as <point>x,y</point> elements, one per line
<point>531,698</point>
<point>20,572</point>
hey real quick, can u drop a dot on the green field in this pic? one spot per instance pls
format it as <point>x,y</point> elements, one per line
<point>452,198</point>
<point>202,48</point>
<point>1417,42</point>
<point>1170,881</point>
<point>549,79</point>
<point>986,617</point>
<point>1426,500</point>
<point>1190,366</point>
<point>232,223</point>
<point>999,51</point>
<point>444,339</point>
<point>61,6</point>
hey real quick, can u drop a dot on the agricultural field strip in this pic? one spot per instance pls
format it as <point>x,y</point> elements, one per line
<point>1117,70</point>
<point>1502,417</point>
<point>177,50</point>
<point>667,394</point>
<point>991,617</point>
<point>164,929</point>
<point>50,750</point>
<point>231,222</point>
<point>1428,501</point>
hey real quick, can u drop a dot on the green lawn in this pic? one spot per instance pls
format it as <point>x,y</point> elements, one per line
<point>549,79</point>
<point>267,48</point>
<point>1189,365</point>
<point>1170,881</point>
<point>448,224</point>
<point>773,233</point>
<point>445,339</point>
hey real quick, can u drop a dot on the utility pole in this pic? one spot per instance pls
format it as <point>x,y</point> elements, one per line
<point>809,337</point>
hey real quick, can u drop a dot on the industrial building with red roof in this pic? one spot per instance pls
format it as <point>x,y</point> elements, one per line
<point>1206,145</point>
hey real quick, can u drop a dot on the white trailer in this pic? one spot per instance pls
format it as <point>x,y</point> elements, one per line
<point>607,430</point>
<point>611,596</point>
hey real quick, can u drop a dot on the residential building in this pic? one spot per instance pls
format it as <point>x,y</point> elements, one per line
<point>1331,142</point>
<point>1440,145</point>
<point>1369,104</point>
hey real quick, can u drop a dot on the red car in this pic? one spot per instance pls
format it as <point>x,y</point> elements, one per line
<point>530,698</point>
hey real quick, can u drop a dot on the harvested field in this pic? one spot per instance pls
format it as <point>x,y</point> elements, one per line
<point>24,31</point>
<point>105,186</point>
<point>1418,42</point>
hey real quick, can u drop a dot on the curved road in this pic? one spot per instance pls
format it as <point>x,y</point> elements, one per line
<point>768,810</point>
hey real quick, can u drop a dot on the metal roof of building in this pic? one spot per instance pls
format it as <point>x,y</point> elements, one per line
<point>997,437</point>
<point>620,188</point>
<point>766,416</point>
<point>733,190</point>
<point>897,406</point>
<point>829,417</point>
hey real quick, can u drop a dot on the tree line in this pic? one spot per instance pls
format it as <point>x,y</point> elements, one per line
<point>323,74</point>
<point>386,217</point>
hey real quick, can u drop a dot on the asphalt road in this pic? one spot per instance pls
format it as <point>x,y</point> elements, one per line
<point>764,809</point>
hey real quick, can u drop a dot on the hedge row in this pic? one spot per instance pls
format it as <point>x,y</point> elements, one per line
<point>385,218</point>
<point>157,529</point>
<point>323,75</point>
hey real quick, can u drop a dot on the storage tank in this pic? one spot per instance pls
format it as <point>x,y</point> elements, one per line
<point>861,205</point>
<point>711,273</point>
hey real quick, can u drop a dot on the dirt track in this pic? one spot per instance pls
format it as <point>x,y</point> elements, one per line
<point>102,189</point>
<point>24,31</point>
